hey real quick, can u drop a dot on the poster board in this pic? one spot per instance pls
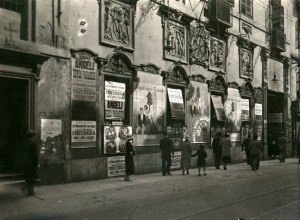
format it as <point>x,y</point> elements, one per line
<point>176,103</point>
<point>115,100</point>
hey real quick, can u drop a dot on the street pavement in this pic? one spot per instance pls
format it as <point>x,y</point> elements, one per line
<point>153,196</point>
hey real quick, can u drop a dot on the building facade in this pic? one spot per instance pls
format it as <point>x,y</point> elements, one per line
<point>86,75</point>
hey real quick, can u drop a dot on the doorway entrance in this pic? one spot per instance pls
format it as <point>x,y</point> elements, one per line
<point>275,121</point>
<point>14,123</point>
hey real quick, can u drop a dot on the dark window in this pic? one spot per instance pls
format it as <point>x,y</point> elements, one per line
<point>83,111</point>
<point>12,5</point>
<point>246,8</point>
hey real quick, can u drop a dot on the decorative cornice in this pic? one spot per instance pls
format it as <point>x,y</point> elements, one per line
<point>233,85</point>
<point>198,78</point>
<point>149,67</point>
<point>245,43</point>
<point>217,84</point>
<point>176,74</point>
<point>246,89</point>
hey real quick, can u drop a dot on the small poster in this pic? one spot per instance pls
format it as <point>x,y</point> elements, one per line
<point>245,109</point>
<point>116,166</point>
<point>50,128</point>
<point>175,164</point>
<point>219,108</point>
<point>258,109</point>
<point>115,138</point>
<point>114,100</point>
<point>83,131</point>
<point>176,103</point>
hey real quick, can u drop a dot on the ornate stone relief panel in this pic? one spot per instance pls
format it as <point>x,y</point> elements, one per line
<point>217,54</point>
<point>246,63</point>
<point>117,24</point>
<point>199,46</point>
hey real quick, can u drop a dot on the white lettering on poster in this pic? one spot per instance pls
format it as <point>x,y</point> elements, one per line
<point>258,109</point>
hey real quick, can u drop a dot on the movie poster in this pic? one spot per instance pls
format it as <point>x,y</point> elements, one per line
<point>149,108</point>
<point>114,100</point>
<point>176,103</point>
<point>115,138</point>
<point>233,112</point>
<point>198,112</point>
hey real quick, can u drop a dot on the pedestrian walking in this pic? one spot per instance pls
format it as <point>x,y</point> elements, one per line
<point>225,144</point>
<point>217,149</point>
<point>282,147</point>
<point>129,163</point>
<point>202,155</point>
<point>30,163</point>
<point>166,147</point>
<point>186,152</point>
<point>255,147</point>
<point>245,146</point>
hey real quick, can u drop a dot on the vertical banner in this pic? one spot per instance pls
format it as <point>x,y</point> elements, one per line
<point>83,131</point>
<point>114,100</point>
<point>219,108</point>
<point>83,77</point>
<point>197,113</point>
<point>245,109</point>
<point>115,138</point>
<point>148,110</point>
<point>116,166</point>
<point>232,107</point>
<point>176,103</point>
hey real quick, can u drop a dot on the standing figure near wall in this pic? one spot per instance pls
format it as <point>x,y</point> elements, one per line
<point>282,147</point>
<point>226,153</point>
<point>186,152</point>
<point>217,149</point>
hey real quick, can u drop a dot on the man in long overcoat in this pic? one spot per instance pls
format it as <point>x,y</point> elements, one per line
<point>217,150</point>
<point>225,143</point>
<point>255,147</point>
<point>186,152</point>
<point>166,147</point>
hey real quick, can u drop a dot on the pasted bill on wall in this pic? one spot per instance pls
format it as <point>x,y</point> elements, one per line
<point>148,111</point>
<point>198,112</point>
<point>233,112</point>
<point>217,54</point>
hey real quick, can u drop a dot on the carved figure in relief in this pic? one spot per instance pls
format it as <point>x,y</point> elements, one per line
<point>177,39</point>
<point>216,53</point>
<point>245,62</point>
<point>117,22</point>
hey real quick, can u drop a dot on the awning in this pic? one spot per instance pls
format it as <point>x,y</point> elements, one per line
<point>219,108</point>
<point>176,103</point>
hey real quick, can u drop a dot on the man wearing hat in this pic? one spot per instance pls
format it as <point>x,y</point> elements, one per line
<point>30,162</point>
<point>166,147</point>
<point>129,154</point>
<point>186,152</point>
<point>282,147</point>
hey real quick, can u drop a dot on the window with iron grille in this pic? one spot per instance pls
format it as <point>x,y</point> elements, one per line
<point>12,5</point>
<point>246,7</point>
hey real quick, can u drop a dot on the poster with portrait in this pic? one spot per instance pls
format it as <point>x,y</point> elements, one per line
<point>217,54</point>
<point>149,108</point>
<point>232,107</point>
<point>198,112</point>
<point>114,100</point>
<point>114,138</point>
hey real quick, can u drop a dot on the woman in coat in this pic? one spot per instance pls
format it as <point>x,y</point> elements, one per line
<point>186,152</point>
<point>129,163</point>
<point>226,153</point>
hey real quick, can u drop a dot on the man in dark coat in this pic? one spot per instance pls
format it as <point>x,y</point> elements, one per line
<point>281,141</point>
<point>217,149</point>
<point>30,162</point>
<point>255,147</point>
<point>166,147</point>
<point>245,146</point>
<point>129,163</point>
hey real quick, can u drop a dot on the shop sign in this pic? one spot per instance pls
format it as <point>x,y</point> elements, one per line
<point>115,137</point>
<point>176,103</point>
<point>116,166</point>
<point>83,131</point>
<point>245,109</point>
<point>176,160</point>
<point>83,77</point>
<point>114,100</point>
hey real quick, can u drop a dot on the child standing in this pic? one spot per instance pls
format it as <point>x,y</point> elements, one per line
<point>201,159</point>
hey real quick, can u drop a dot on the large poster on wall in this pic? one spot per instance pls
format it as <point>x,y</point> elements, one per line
<point>232,107</point>
<point>176,103</point>
<point>83,131</point>
<point>198,112</point>
<point>148,111</point>
<point>114,100</point>
<point>83,77</point>
<point>115,138</point>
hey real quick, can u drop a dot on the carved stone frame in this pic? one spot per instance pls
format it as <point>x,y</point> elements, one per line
<point>214,68</point>
<point>129,21</point>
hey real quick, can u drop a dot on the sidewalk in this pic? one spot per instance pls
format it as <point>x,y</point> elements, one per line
<point>46,192</point>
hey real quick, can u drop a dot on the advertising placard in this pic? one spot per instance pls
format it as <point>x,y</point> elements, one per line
<point>116,166</point>
<point>115,138</point>
<point>50,128</point>
<point>83,77</point>
<point>176,103</point>
<point>114,100</point>
<point>83,131</point>
<point>245,109</point>
<point>232,107</point>
<point>219,108</point>
<point>175,163</point>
